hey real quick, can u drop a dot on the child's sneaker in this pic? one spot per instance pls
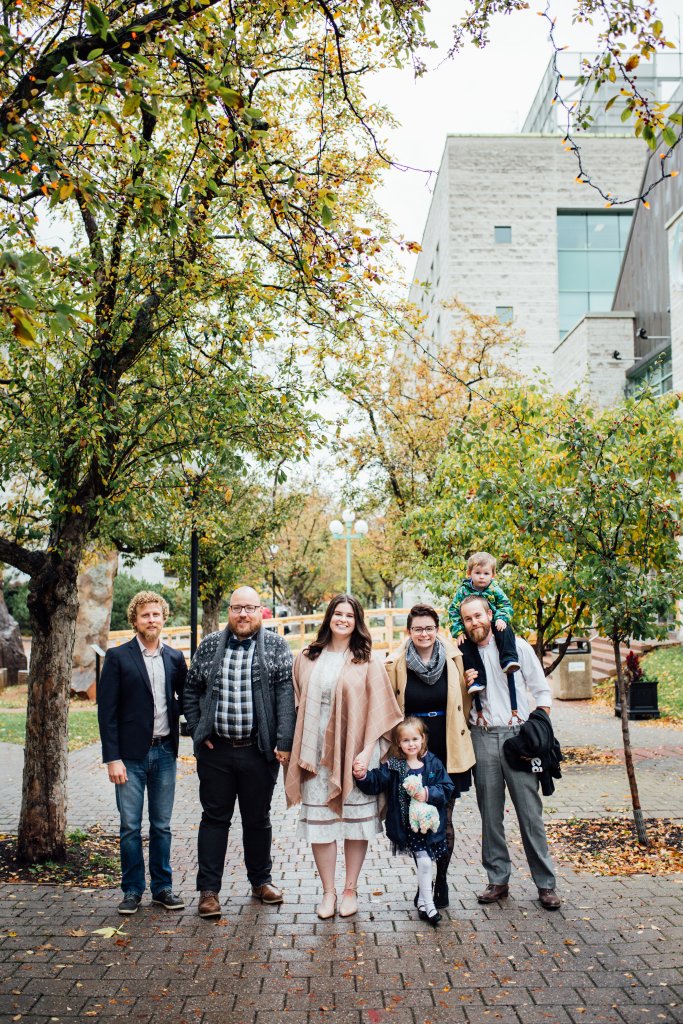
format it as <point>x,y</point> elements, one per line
<point>475,687</point>
<point>512,666</point>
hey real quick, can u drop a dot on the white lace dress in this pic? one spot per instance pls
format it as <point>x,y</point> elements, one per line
<point>318,823</point>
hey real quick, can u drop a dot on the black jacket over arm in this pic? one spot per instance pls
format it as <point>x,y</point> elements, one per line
<point>125,705</point>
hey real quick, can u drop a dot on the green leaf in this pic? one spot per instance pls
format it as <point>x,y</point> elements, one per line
<point>327,216</point>
<point>131,104</point>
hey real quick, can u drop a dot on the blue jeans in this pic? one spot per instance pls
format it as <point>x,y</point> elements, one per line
<point>158,773</point>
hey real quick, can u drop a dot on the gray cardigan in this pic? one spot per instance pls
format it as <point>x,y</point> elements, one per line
<point>271,684</point>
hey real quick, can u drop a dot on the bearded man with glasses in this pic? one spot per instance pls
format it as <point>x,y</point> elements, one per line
<point>427,675</point>
<point>239,705</point>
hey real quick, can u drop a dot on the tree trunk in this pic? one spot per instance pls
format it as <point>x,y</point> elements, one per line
<point>211,607</point>
<point>53,605</point>
<point>12,655</point>
<point>628,753</point>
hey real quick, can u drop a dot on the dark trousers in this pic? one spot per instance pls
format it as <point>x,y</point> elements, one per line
<point>507,651</point>
<point>226,774</point>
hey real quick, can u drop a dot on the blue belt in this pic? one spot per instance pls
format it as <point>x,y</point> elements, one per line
<point>428,714</point>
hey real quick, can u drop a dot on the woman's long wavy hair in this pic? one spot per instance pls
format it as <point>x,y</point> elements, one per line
<point>360,643</point>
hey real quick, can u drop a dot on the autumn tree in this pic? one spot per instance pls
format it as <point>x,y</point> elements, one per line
<point>582,508</point>
<point>501,485</point>
<point>205,158</point>
<point>630,572</point>
<point>402,418</point>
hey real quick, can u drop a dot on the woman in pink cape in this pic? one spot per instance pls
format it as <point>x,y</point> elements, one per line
<point>345,704</point>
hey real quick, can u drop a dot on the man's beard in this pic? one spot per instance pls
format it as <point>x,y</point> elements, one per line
<point>478,633</point>
<point>151,633</point>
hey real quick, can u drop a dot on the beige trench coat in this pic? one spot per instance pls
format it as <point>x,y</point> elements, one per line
<point>458,742</point>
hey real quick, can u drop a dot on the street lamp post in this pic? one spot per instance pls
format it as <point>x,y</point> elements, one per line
<point>273,551</point>
<point>349,529</point>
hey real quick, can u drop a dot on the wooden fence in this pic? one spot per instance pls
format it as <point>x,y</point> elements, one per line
<point>387,626</point>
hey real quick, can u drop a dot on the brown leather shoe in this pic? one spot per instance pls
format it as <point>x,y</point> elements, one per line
<point>267,893</point>
<point>209,905</point>
<point>493,893</point>
<point>549,899</point>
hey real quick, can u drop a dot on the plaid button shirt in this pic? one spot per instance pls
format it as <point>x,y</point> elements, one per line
<point>235,708</point>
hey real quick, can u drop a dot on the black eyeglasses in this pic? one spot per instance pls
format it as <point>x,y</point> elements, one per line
<point>427,630</point>
<point>248,608</point>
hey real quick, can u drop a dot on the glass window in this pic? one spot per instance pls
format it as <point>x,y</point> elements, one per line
<point>603,231</point>
<point>572,307</point>
<point>600,302</point>
<point>590,249</point>
<point>658,375</point>
<point>504,314</point>
<point>603,271</point>
<point>624,229</point>
<point>571,231</point>
<point>573,271</point>
<point>502,234</point>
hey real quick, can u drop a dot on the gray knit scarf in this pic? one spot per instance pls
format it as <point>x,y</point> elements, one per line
<point>429,672</point>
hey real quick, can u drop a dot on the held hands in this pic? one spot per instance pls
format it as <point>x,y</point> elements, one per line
<point>500,625</point>
<point>360,769</point>
<point>117,772</point>
<point>282,756</point>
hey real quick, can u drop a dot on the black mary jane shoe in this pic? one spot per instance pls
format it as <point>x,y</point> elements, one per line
<point>433,919</point>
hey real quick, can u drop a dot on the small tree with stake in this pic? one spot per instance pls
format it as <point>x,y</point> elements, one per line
<point>630,570</point>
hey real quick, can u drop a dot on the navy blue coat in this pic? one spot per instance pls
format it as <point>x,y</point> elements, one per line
<point>125,705</point>
<point>386,779</point>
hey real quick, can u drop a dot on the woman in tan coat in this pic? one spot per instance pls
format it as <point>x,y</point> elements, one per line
<point>345,704</point>
<point>427,677</point>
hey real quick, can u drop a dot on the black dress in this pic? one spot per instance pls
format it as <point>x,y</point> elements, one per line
<point>419,698</point>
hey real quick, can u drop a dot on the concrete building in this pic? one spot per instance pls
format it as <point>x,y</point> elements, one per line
<point>510,232</point>
<point>641,340</point>
<point>504,213</point>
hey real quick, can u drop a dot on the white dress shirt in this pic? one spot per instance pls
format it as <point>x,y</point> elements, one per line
<point>154,663</point>
<point>495,699</point>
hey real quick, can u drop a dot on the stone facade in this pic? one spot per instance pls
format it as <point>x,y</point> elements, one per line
<point>12,657</point>
<point>674,229</point>
<point>520,181</point>
<point>594,356</point>
<point>95,594</point>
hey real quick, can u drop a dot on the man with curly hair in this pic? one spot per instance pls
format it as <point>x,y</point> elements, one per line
<point>138,709</point>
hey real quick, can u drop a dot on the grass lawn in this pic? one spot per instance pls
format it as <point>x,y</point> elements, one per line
<point>666,665</point>
<point>82,728</point>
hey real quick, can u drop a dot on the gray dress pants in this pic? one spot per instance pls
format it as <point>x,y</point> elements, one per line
<point>492,774</point>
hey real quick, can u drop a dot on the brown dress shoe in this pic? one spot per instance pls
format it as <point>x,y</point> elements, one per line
<point>493,893</point>
<point>267,893</point>
<point>549,899</point>
<point>209,905</point>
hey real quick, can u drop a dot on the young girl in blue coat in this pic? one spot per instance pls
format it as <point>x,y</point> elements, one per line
<point>409,756</point>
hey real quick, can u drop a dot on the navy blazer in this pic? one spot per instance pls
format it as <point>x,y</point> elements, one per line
<point>125,705</point>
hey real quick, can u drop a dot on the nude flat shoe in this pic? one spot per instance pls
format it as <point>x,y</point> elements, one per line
<point>349,903</point>
<point>327,907</point>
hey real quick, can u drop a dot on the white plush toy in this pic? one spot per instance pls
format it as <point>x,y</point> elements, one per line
<point>423,817</point>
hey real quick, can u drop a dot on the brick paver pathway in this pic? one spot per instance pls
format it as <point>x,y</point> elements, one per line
<point>614,953</point>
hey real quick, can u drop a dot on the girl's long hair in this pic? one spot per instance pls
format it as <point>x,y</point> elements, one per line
<point>360,643</point>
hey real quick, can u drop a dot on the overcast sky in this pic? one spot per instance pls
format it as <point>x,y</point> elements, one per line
<point>478,91</point>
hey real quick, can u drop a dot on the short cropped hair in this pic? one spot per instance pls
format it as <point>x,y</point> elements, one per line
<point>146,597</point>
<point>426,610</point>
<point>481,558</point>
<point>474,597</point>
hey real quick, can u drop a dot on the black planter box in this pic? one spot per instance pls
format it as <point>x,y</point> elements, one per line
<point>642,700</point>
